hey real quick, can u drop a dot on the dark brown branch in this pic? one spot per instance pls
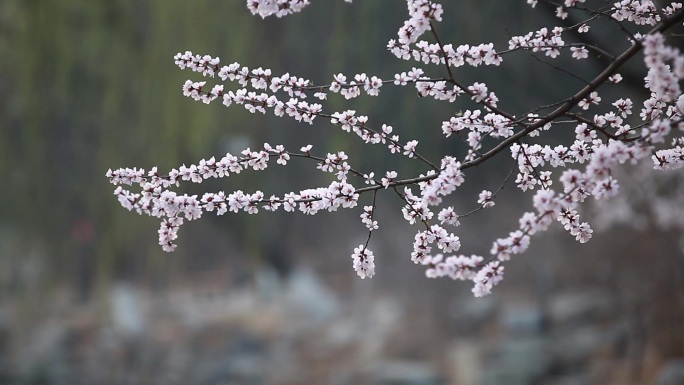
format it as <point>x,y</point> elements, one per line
<point>581,94</point>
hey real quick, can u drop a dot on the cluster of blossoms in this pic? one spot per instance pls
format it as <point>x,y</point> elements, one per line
<point>558,177</point>
<point>483,54</point>
<point>278,8</point>
<point>157,200</point>
<point>421,13</point>
<point>364,262</point>
<point>352,89</point>
<point>638,12</point>
<point>543,40</point>
<point>367,218</point>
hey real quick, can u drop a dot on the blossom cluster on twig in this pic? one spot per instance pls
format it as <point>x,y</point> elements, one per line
<point>559,177</point>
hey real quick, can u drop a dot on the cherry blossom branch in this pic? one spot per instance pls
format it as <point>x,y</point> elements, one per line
<point>581,94</point>
<point>600,144</point>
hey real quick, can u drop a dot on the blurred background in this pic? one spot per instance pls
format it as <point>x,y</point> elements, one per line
<point>88,297</point>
